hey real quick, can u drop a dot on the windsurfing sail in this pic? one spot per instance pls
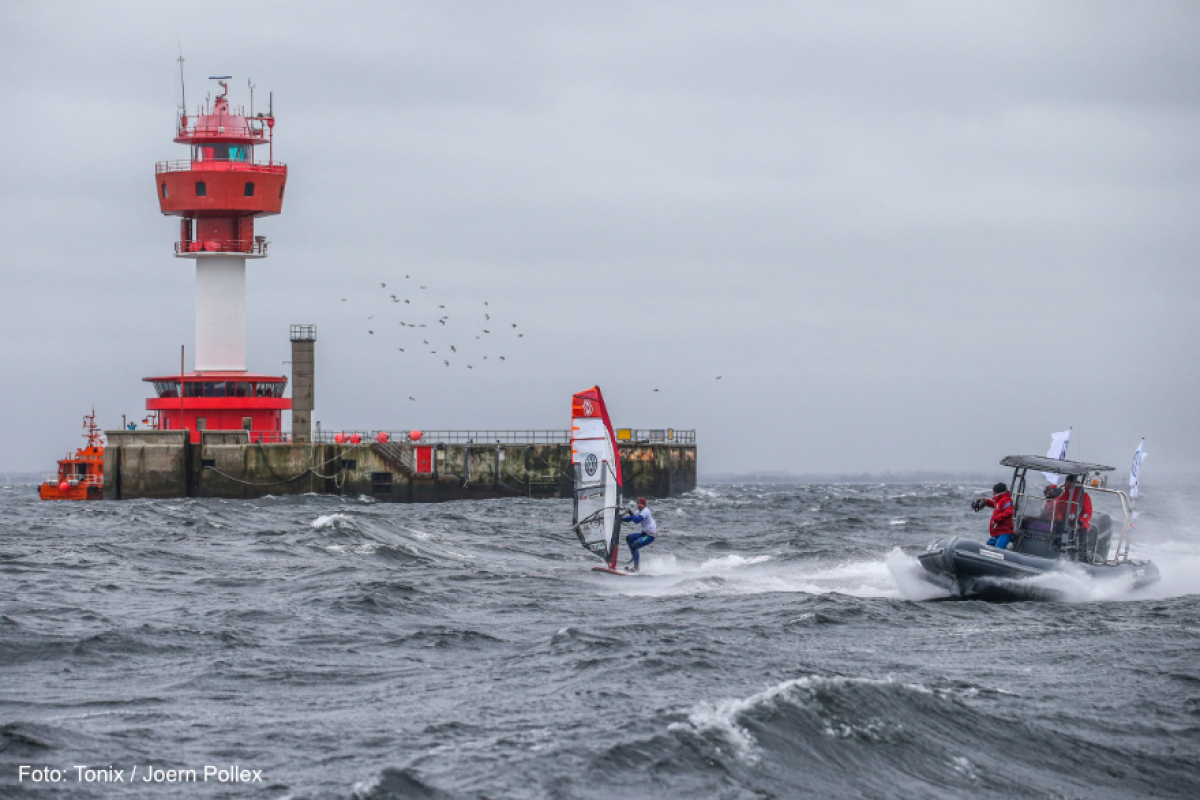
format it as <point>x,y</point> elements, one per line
<point>597,519</point>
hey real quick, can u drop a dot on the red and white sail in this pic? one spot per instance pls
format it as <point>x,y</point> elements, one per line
<point>597,517</point>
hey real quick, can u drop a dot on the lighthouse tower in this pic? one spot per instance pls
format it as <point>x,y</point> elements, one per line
<point>217,192</point>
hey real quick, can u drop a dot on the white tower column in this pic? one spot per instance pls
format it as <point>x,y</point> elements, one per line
<point>220,314</point>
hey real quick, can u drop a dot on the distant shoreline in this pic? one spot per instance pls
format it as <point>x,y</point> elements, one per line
<point>1116,480</point>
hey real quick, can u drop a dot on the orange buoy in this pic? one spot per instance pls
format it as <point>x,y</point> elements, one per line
<point>382,438</point>
<point>340,438</point>
<point>414,436</point>
<point>355,438</point>
<point>64,487</point>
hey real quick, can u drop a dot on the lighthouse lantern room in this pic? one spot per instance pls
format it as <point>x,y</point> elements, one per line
<point>217,193</point>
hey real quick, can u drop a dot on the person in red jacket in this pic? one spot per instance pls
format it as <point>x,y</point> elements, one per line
<point>1070,502</point>
<point>1000,529</point>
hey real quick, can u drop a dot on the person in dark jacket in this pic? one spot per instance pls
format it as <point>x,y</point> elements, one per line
<point>1000,529</point>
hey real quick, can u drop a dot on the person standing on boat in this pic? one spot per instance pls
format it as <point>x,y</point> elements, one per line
<point>1071,503</point>
<point>637,541</point>
<point>1000,529</point>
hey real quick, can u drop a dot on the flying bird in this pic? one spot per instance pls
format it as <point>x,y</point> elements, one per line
<point>371,317</point>
<point>656,390</point>
<point>441,322</point>
<point>718,377</point>
<point>520,335</point>
<point>424,287</point>
<point>401,349</point>
<point>501,358</point>
<point>444,361</point>
<point>426,341</point>
<point>487,316</point>
<point>514,324</point>
<point>441,306</point>
<point>469,366</point>
<point>384,285</point>
<point>343,299</point>
<point>485,302</point>
<point>486,331</point>
<point>371,332</point>
<point>410,397</point>
<point>453,348</point>
<point>406,301</point>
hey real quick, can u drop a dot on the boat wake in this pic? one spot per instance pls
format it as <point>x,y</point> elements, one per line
<point>736,574</point>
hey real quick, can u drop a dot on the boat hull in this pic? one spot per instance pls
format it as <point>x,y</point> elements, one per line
<point>971,569</point>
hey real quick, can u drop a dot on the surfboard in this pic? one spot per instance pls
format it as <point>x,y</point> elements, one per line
<point>596,518</point>
<point>611,571</point>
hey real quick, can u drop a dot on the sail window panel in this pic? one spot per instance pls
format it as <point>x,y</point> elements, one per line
<point>592,456</point>
<point>588,428</point>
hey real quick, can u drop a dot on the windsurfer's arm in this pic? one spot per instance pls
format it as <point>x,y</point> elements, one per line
<point>632,518</point>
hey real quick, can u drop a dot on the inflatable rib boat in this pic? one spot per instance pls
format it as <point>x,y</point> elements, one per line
<point>1050,534</point>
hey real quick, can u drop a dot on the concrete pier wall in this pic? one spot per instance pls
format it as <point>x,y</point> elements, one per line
<point>225,464</point>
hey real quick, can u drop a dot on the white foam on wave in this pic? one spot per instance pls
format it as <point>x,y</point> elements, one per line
<point>909,577</point>
<point>736,574</point>
<point>722,717</point>
<point>330,521</point>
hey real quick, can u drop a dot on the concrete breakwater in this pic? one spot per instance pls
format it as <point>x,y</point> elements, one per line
<point>226,464</point>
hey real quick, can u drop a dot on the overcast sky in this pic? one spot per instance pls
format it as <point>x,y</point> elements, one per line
<point>908,236</point>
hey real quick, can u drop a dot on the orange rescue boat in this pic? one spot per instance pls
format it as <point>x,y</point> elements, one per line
<point>81,476</point>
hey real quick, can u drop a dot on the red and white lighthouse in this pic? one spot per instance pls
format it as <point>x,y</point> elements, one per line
<point>217,192</point>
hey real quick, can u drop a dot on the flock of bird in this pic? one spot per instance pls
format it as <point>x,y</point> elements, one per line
<point>453,340</point>
<point>447,331</point>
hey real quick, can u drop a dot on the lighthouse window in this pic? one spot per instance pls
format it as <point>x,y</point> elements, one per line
<point>164,190</point>
<point>223,152</point>
<point>249,190</point>
<point>201,189</point>
<point>167,388</point>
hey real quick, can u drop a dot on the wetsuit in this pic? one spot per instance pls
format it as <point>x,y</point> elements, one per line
<point>637,541</point>
<point>1001,527</point>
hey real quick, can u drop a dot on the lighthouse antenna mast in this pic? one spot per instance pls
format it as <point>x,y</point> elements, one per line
<point>182,87</point>
<point>251,85</point>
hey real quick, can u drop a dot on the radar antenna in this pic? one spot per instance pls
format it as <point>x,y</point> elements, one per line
<point>251,85</point>
<point>221,80</point>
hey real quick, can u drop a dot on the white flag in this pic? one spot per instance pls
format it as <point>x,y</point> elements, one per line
<point>1058,449</point>
<point>1138,458</point>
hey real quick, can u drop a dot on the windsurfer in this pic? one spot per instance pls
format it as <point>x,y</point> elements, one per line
<point>645,536</point>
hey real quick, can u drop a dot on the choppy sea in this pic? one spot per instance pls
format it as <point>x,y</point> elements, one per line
<point>779,644</point>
